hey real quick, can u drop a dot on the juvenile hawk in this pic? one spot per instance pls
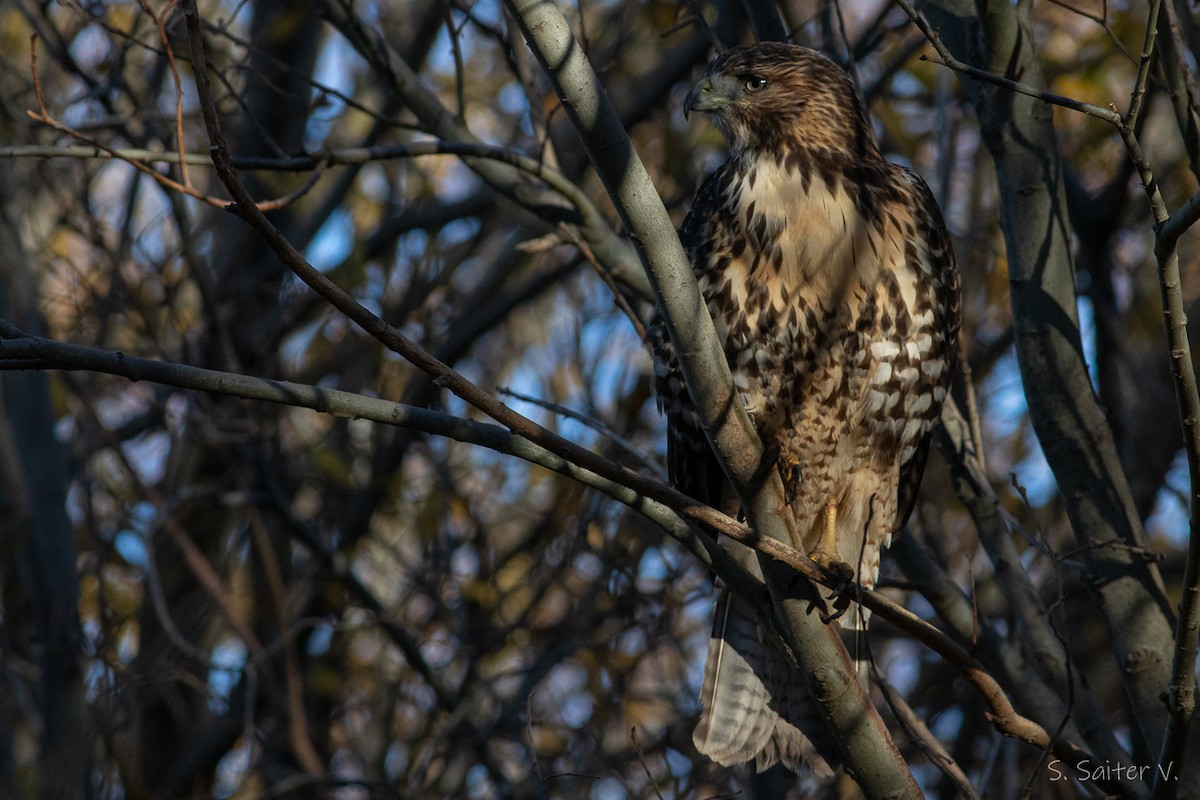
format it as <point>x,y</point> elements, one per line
<point>830,277</point>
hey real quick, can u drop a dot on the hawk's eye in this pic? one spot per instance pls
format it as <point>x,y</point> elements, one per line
<point>755,84</point>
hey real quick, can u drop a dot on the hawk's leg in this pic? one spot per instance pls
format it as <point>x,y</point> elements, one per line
<point>826,551</point>
<point>826,554</point>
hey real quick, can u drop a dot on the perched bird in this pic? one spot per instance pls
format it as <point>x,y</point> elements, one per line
<point>830,277</point>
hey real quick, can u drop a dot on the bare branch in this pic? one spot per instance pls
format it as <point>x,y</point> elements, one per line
<point>947,59</point>
<point>1138,95</point>
<point>924,738</point>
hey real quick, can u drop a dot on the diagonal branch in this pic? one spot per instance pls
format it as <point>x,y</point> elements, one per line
<point>822,659</point>
<point>946,59</point>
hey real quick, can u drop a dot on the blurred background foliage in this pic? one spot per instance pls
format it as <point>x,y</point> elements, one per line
<point>209,597</point>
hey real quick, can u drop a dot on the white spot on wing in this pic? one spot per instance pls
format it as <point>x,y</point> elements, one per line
<point>921,404</point>
<point>933,368</point>
<point>885,349</point>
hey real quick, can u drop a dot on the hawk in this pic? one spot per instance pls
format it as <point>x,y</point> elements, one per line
<point>830,278</point>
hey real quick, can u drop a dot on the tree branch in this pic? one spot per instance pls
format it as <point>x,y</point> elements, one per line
<point>946,59</point>
<point>19,350</point>
<point>1181,705</point>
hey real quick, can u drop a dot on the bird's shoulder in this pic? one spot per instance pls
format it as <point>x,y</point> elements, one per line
<point>709,206</point>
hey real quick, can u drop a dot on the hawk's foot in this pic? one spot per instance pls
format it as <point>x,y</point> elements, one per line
<point>843,590</point>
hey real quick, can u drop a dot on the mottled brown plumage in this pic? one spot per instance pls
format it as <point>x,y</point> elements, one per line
<point>830,277</point>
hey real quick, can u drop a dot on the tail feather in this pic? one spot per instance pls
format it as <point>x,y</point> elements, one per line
<point>753,709</point>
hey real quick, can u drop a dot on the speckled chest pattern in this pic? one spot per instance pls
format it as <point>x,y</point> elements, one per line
<point>825,292</point>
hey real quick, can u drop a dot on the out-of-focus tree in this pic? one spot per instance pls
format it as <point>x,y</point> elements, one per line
<point>260,542</point>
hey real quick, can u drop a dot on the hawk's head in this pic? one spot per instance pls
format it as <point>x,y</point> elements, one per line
<point>781,97</point>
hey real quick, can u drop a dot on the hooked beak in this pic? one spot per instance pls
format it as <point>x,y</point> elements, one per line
<point>697,98</point>
<point>710,94</point>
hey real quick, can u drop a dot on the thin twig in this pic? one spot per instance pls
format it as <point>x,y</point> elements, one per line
<point>919,732</point>
<point>619,298</point>
<point>42,115</point>
<point>296,194</point>
<point>297,716</point>
<point>1056,563</point>
<point>160,20</point>
<point>602,428</point>
<point>533,754</point>
<point>637,746</point>
<point>460,72</point>
<point>1137,96</point>
<point>947,59</point>
<point>1100,19</point>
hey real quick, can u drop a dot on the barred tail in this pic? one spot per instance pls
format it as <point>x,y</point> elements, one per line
<point>753,708</point>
